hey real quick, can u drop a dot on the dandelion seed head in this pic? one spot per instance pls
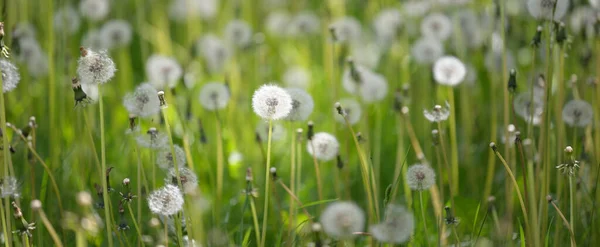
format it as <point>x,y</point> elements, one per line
<point>115,34</point>
<point>436,25</point>
<point>238,33</point>
<point>302,104</point>
<point>340,220</point>
<point>166,201</point>
<point>153,139</point>
<point>9,187</point>
<point>214,96</point>
<point>346,29</point>
<point>375,90</point>
<point>397,226</point>
<point>449,71</point>
<point>67,19</point>
<point>189,180</point>
<point>351,109</point>
<point>296,76</point>
<point>527,109</point>
<point>577,113</point>
<point>387,23</point>
<point>277,23</point>
<point>304,23</point>
<point>271,102</point>
<point>427,50</point>
<point>355,75</point>
<point>213,51</point>
<point>84,199</point>
<point>163,71</point>
<point>164,158</point>
<point>235,157</point>
<point>542,9</point>
<point>23,30</point>
<point>95,67</point>
<point>10,75</point>
<point>91,92</point>
<point>94,10</point>
<point>420,177</point>
<point>438,114</point>
<point>326,146</point>
<point>143,102</point>
<point>416,8</point>
<point>181,10</point>
<point>278,132</point>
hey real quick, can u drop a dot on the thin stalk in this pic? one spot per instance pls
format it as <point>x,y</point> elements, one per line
<point>317,173</point>
<point>292,211</point>
<point>4,227</point>
<point>137,228</point>
<point>571,204</point>
<point>562,216</point>
<point>80,238</point>
<point>5,157</point>
<point>445,158</point>
<point>50,229</point>
<point>453,143</point>
<point>295,199</point>
<point>514,181</point>
<point>107,214</point>
<point>426,238</point>
<point>220,165</point>
<point>255,220</point>
<point>267,183</point>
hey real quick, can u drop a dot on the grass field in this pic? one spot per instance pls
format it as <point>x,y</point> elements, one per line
<point>300,123</point>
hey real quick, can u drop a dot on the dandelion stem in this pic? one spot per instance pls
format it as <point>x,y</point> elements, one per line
<point>107,214</point>
<point>295,199</point>
<point>50,229</point>
<point>292,210</point>
<point>562,216</point>
<point>220,166</point>
<point>255,220</point>
<point>425,236</point>
<point>135,224</point>
<point>453,144</point>
<point>571,204</point>
<point>317,173</point>
<point>267,182</point>
<point>445,157</point>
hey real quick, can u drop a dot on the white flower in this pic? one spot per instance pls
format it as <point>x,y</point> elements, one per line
<point>277,23</point>
<point>326,146</point>
<point>94,10</point>
<point>341,220</point>
<point>143,102</point>
<point>181,10</point>
<point>582,19</point>
<point>163,71</point>
<point>153,139</point>
<point>235,157</point>
<point>427,50</point>
<point>115,33</point>
<point>67,19</point>
<point>297,77</point>
<point>304,23</point>
<point>438,113</point>
<point>542,9</point>
<point>397,226</point>
<point>271,102</point>
<point>351,109</point>
<point>366,53</point>
<point>302,104</point>
<point>238,33</point>
<point>420,177</point>
<point>387,23</point>
<point>214,52</point>
<point>189,180</point>
<point>214,96</point>
<point>578,113</point>
<point>95,67</point>
<point>166,201</point>
<point>436,25</point>
<point>375,90</point>
<point>355,75</point>
<point>277,133</point>
<point>346,29</point>
<point>164,158</point>
<point>449,71</point>
<point>527,109</point>
<point>416,8</point>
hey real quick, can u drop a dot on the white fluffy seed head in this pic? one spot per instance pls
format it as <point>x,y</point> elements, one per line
<point>340,220</point>
<point>67,19</point>
<point>214,96</point>
<point>163,71</point>
<point>213,51</point>
<point>356,75</point>
<point>9,187</point>
<point>427,50</point>
<point>374,90</point>
<point>95,67</point>
<point>278,132</point>
<point>153,139</point>
<point>94,10</point>
<point>578,113</point>
<point>449,71</point>
<point>181,10</point>
<point>527,109</point>
<point>277,23</point>
<point>271,102</point>
<point>10,75</point>
<point>143,102</point>
<point>23,30</point>
<point>302,104</point>
<point>397,226</point>
<point>189,180</point>
<point>304,23</point>
<point>238,33</point>
<point>323,146</point>
<point>115,34</point>
<point>542,9</point>
<point>352,110</point>
<point>296,76</point>
<point>91,92</point>
<point>438,114</point>
<point>420,177</point>
<point>166,201</point>
<point>387,24</point>
<point>436,25</point>
<point>346,29</point>
<point>164,158</point>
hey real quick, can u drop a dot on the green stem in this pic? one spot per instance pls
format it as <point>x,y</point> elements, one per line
<point>255,220</point>
<point>267,183</point>
<point>137,228</point>
<point>572,204</point>
<point>425,236</point>
<point>107,214</point>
